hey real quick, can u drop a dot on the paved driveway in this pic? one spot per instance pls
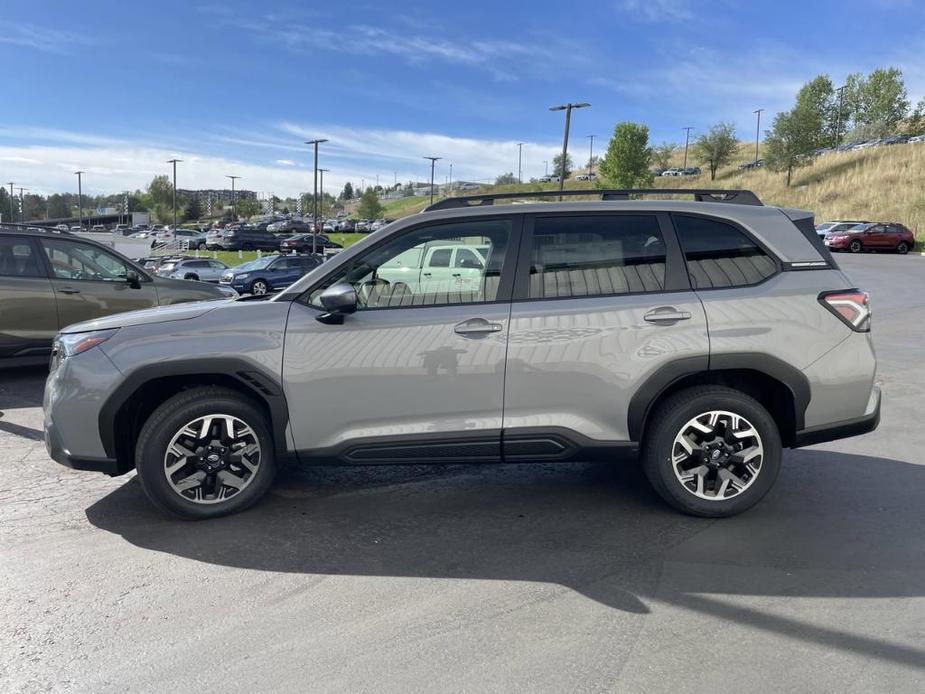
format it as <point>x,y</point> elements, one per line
<point>508,578</point>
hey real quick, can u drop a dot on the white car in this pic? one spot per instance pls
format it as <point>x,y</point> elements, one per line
<point>673,172</point>
<point>836,226</point>
<point>549,179</point>
<point>586,177</point>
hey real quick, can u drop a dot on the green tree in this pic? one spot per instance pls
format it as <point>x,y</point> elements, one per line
<point>505,179</point>
<point>716,147</point>
<point>557,168</point>
<point>661,154</point>
<point>628,157</point>
<point>818,106</point>
<point>883,100</point>
<point>347,192</point>
<point>160,191</point>
<point>5,206</point>
<point>58,207</point>
<point>788,143</point>
<point>193,209</point>
<point>915,125</point>
<point>369,208</point>
<point>247,207</point>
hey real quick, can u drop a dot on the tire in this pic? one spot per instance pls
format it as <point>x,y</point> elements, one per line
<point>662,448</point>
<point>902,248</point>
<point>201,247</point>
<point>191,276</point>
<point>260,287</point>
<point>179,413</point>
<point>855,246</point>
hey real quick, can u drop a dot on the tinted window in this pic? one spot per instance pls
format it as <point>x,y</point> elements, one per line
<point>719,255</point>
<point>17,258</point>
<point>441,257</point>
<point>596,255</point>
<point>396,274</point>
<point>77,261</point>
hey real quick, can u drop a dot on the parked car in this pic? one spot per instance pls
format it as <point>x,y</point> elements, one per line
<point>345,225</point>
<point>513,365</point>
<point>49,280</point>
<point>289,227</point>
<point>199,269</point>
<point>549,179</point>
<point>195,239</point>
<point>838,225</point>
<point>302,243</point>
<point>122,229</point>
<point>672,172</point>
<point>872,237</point>
<point>916,139</point>
<point>586,177</point>
<point>246,239</point>
<point>895,140</point>
<point>269,274</point>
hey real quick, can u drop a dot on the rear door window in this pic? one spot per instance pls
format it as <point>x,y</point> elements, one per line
<point>18,259</point>
<point>720,255</point>
<point>596,255</point>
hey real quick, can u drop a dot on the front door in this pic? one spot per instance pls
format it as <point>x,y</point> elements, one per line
<point>602,304</point>
<point>414,374</point>
<point>90,282</point>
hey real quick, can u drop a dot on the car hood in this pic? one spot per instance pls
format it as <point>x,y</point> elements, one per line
<point>159,314</point>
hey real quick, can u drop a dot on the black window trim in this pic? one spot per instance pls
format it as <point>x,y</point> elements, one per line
<point>778,265</point>
<point>505,284</point>
<point>676,276</point>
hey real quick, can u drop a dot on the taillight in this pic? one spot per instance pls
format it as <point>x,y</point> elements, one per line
<point>852,306</point>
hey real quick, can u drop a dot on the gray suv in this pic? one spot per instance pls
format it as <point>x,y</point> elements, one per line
<point>703,336</point>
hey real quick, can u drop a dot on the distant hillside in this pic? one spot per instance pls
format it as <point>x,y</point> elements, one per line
<point>882,183</point>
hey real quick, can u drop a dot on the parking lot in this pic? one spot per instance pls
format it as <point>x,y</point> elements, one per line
<point>463,578</point>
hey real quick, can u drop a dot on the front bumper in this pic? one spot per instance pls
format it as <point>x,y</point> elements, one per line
<point>844,429</point>
<point>60,454</point>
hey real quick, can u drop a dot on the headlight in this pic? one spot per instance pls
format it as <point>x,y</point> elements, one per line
<point>70,344</point>
<point>243,275</point>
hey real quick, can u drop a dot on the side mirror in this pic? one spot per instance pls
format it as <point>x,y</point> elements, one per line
<point>132,279</point>
<point>340,300</point>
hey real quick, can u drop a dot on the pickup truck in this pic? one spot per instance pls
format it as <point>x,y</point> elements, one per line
<point>436,269</point>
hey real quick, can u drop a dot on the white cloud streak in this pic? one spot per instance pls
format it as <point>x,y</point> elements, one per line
<point>34,37</point>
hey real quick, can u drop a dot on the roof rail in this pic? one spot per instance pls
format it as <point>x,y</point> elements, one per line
<point>16,226</point>
<point>738,197</point>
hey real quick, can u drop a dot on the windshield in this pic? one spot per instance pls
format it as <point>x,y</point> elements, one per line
<point>858,227</point>
<point>258,264</point>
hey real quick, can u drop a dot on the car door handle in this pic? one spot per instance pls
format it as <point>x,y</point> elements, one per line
<point>477,326</point>
<point>666,314</point>
<point>69,290</point>
<point>426,274</point>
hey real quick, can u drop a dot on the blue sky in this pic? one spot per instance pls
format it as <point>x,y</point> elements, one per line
<point>117,88</point>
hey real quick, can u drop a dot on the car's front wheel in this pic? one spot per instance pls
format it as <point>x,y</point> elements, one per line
<point>259,287</point>
<point>855,246</point>
<point>201,247</point>
<point>205,452</point>
<point>711,451</point>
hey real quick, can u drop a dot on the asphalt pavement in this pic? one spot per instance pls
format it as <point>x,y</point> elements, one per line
<point>516,578</point>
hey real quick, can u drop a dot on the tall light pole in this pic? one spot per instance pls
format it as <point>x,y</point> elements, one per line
<point>545,167</point>
<point>433,162</point>
<point>22,205</point>
<point>234,204</point>
<point>321,186</point>
<point>174,162</point>
<point>568,118</point>
<point>590,155</point>
<point>841,96</point>
<point>520,168</point>
<point>12,214</point>
<point>80,208</point>
<point>687,139</point>
<point>315,144</point>
<point>450,182</point>
<point>757,131</point>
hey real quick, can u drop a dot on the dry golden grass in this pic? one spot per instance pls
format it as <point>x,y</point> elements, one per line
<point>880,184</point>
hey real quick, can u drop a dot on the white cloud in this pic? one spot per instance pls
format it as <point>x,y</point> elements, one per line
<point>285,162</point>
<point>39,38</point>
<point>656,11</point>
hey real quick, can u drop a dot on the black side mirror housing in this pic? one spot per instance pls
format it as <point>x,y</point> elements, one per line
<point>340,300</point>
<point>132,279</point>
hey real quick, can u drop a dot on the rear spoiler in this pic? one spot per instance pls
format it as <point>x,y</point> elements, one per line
<point>805,221</point>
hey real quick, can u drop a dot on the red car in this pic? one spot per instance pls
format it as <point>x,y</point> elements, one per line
<point>880,236</point>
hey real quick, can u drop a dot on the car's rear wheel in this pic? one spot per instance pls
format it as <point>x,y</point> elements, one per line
<point>259,287</point>
<point>711,451</point>
<point>855,246</point>
<point>902,248</point>
<point>205,452</point>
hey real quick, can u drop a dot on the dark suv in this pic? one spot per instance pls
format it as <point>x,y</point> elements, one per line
<point>246,239</point>
<point>50,279</point>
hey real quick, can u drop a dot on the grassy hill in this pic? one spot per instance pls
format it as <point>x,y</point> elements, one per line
<point>881,184</point>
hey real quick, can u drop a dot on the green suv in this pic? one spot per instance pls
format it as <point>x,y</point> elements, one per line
<point>50,279</point>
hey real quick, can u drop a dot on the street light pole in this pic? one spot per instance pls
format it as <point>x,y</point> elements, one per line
<point>321,187</point>
<point>545,167</point>
<point>520,168</point>
<point>22,205</point>
<point>590,156</point>
<point>568,118</point>
<point>80,209</point>
<point>687,139</point>
<point>315,144</point>
<point>234,204</point>
<point>433,162</point>
<point>841,96</point>
<point>757,132</point>
<point>174,162</point>
<point>12,214</point>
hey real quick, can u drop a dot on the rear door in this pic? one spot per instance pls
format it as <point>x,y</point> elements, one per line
<point>28,313</point>
<point>90,282</point>
<point>601,303</point>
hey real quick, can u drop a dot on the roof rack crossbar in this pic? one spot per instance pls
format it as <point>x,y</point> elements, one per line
<point>738,197</point>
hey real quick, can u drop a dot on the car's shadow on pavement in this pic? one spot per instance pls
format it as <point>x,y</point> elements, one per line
<point>836,525</point>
